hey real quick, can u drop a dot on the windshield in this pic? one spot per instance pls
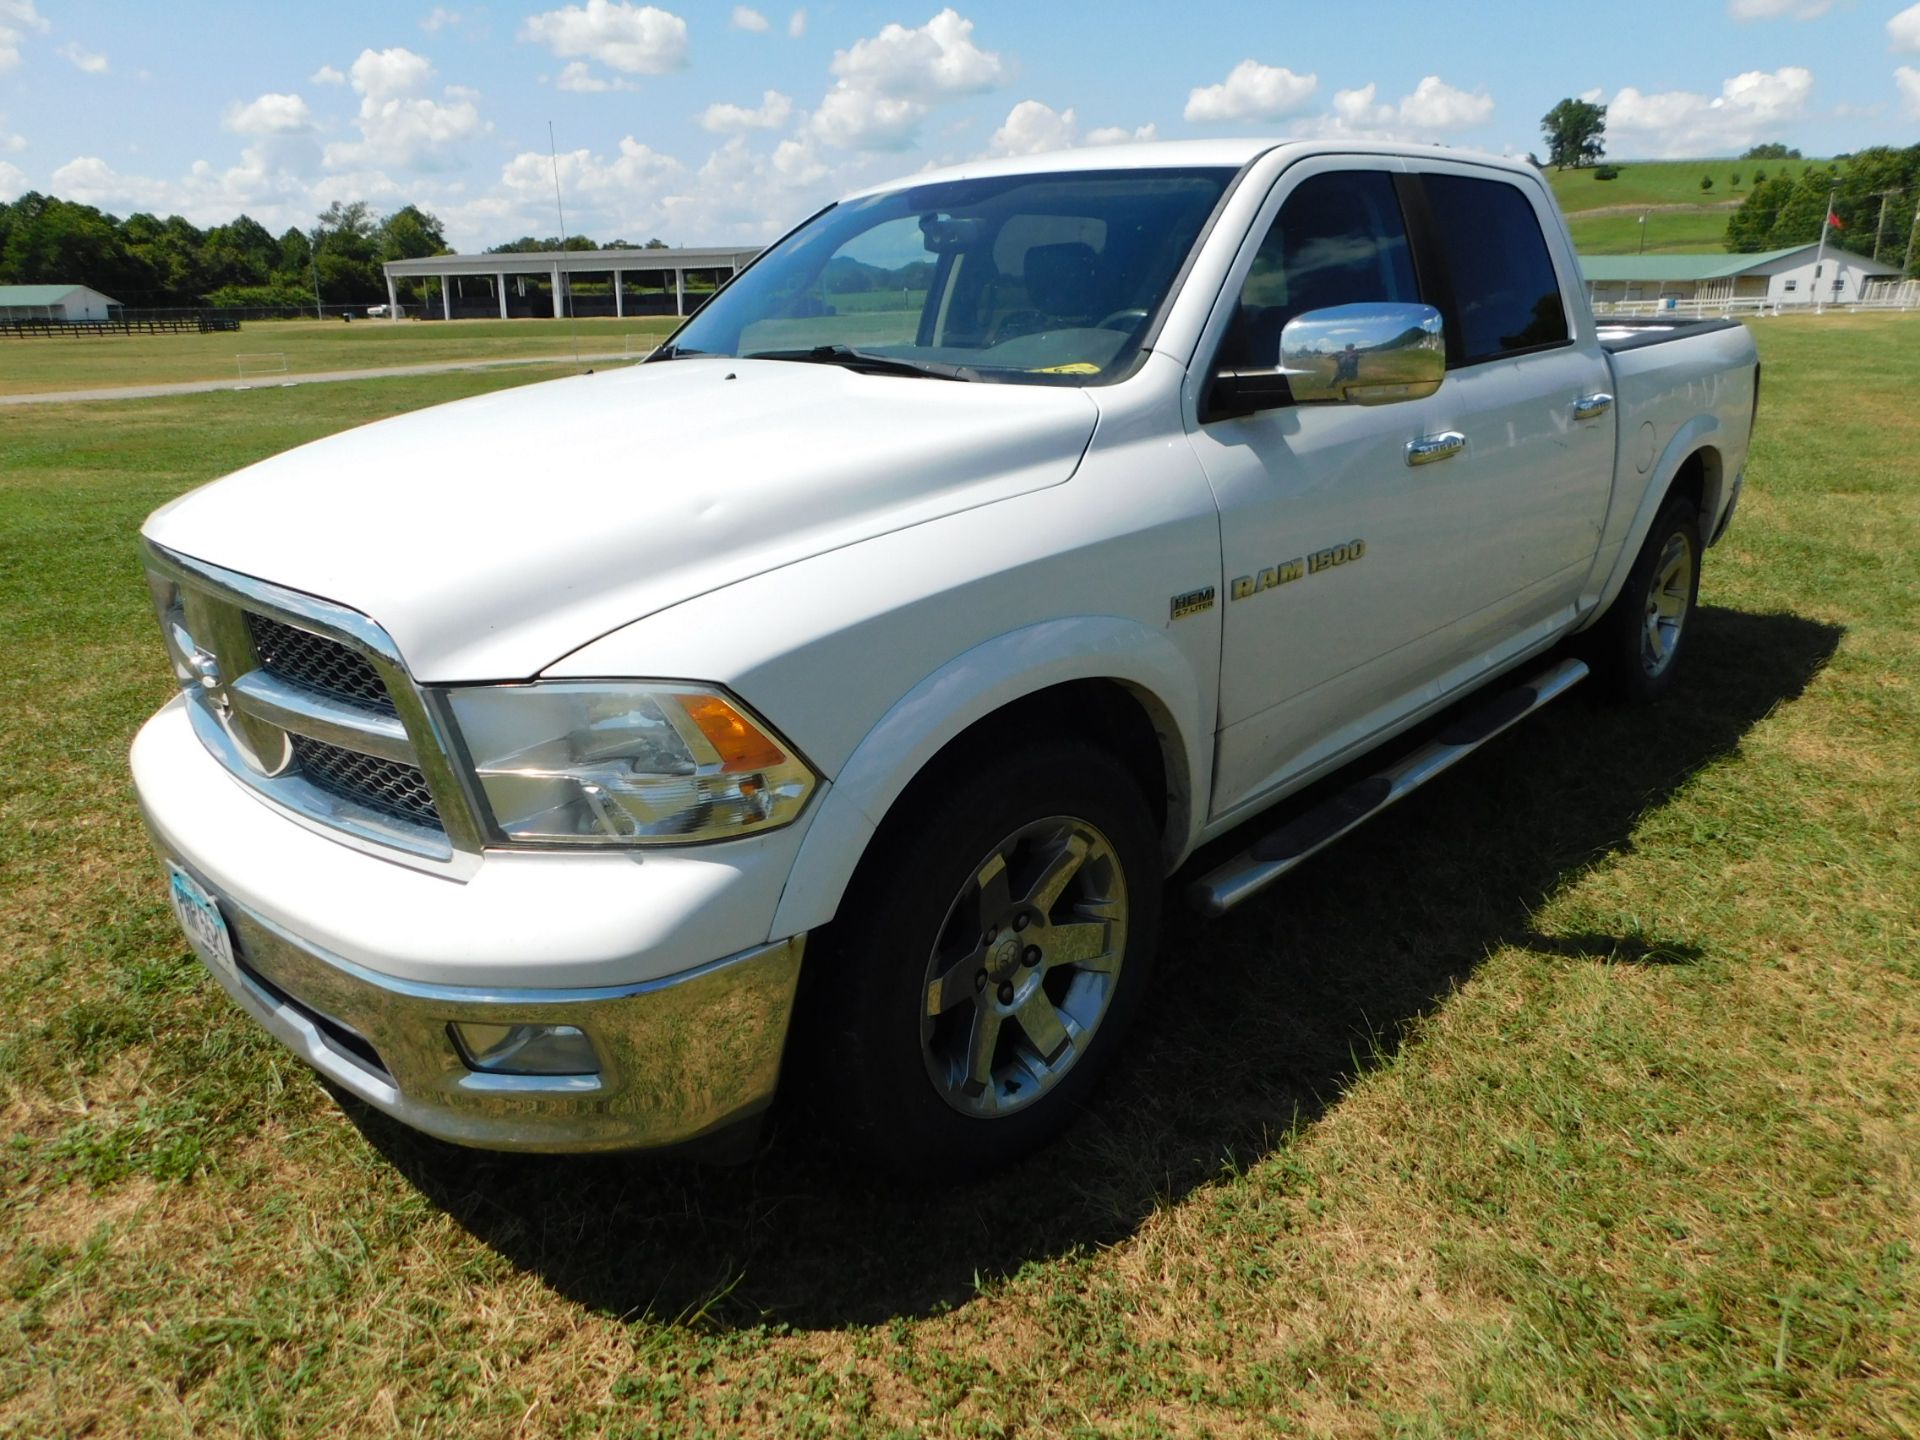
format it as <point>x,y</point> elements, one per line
<point>1033,279</point>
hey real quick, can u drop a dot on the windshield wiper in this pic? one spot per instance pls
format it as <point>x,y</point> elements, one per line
<point>673,352</point>
<point>868,362</point>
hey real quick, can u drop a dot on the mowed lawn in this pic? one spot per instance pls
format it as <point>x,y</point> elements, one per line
<point>308,347</point>
<point>1579,1094</point>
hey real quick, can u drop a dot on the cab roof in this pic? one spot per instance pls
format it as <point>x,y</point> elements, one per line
<point>1181,154</point>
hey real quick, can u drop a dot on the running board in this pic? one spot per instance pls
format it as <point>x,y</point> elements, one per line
<point>1306,834</point>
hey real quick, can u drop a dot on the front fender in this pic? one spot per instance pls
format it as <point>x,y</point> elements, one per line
<point>969,688</point>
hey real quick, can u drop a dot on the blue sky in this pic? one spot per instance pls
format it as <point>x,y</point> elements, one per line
<point>716,123</point>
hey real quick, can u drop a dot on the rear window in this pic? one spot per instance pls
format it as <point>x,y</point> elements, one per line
<point>1506,295</point>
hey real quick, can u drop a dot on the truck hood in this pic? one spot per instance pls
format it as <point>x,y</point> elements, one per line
<point>494,535</point>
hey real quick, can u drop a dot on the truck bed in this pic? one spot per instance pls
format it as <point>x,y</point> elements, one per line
<point>1632,332</point>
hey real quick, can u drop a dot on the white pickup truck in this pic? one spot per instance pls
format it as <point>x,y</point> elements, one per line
<point>993,541</point>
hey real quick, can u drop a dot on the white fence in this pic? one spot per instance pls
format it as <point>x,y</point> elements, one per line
<point>1903,297</point>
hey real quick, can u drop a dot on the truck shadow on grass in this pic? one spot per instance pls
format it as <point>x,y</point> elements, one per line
<point>1257,1025</point>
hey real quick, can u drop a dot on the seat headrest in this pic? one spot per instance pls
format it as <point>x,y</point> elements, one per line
<point>1062,279</point>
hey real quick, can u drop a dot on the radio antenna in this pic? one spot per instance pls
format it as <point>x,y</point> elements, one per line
<point>559,275</point>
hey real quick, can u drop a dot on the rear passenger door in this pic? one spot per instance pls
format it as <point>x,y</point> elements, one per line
<point>1529,393</point>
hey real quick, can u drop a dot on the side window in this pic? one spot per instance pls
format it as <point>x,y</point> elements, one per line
<point>1338,240</point>
<point>1506,295</point>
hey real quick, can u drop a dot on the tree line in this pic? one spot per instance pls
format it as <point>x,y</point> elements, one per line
<point>1873,194</point>
<point>146,262</point>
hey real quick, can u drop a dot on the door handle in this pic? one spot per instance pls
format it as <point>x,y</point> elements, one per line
<point>1430,448</point>
<point>1592,407</point>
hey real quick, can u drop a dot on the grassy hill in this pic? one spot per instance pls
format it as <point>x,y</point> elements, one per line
<point>1681,217</point>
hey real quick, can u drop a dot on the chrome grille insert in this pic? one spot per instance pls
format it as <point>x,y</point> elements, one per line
<point>385,785</point>
<point>308,703</point>
<point>304,658</point>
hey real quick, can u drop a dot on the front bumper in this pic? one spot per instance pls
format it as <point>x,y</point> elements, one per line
<point>680,1056</point>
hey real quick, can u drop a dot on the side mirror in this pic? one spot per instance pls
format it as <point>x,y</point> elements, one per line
<point>1371,354</point>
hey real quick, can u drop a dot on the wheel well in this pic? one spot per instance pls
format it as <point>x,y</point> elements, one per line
<point>1108,713</point>
<point>1698,478</point>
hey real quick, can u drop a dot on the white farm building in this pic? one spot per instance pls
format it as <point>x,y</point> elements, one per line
<point>67,303</point>
<point>1794,276</point>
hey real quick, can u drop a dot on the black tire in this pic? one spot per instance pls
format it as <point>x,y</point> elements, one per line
<point>1630,665</point>
<point>869,989</point>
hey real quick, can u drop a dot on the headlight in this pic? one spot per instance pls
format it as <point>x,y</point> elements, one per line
<point>588,762</point>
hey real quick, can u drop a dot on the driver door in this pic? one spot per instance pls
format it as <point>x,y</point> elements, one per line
<point>1347,568</point>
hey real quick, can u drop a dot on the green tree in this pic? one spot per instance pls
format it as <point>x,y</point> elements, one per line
<point>346,253</point>
<point>1576,133</point>
<point>1772,150</point>
<point>1749,226</point>
<point>411,233</point>
<point>1706,182</point>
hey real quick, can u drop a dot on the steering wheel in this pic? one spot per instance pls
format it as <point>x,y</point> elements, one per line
<point>1132,318</point>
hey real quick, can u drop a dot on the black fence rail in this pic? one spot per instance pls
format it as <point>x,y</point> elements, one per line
<point>84,329</point>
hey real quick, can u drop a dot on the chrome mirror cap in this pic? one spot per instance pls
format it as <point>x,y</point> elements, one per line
<point>1369,354</point>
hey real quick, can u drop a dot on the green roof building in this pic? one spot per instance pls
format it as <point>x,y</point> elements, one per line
<point>1796,275</point>
<point>55,302</point>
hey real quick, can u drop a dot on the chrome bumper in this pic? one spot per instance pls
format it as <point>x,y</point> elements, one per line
<point>680,1057</point>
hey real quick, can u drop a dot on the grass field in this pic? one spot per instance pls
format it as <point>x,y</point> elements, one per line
<point>1683,218</point>
<point>1669,232</point>
<point>310,346</point>
<point>1580,1094</point>
<point>1663,182</point>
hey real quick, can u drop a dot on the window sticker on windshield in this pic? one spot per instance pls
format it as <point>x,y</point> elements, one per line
<point>1077,367</point>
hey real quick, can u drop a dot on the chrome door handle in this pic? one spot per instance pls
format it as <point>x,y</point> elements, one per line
<point>1592,407</point>
<point>1429,448</point>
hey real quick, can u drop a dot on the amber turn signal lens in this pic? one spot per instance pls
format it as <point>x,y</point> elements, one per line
<point>741,746</point>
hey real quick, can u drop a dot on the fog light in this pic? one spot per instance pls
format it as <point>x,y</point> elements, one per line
<point>525,1049</point>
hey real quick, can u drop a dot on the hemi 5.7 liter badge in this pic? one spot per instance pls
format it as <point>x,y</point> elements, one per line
<point>1191,603</point>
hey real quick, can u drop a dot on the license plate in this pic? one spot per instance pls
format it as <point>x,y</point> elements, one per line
<point>200,917</point>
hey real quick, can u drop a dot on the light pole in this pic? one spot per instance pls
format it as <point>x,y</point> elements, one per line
<point>1643,234</point>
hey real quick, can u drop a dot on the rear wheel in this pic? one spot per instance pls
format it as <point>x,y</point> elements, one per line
<point>987,962</point>
<point>1636,645</point>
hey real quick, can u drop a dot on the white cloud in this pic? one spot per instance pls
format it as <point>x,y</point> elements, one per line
<point>865,120</point>
<point>930,62</point>
<point>1432,111</point>
<point>1032,128</point>
<point>13,181</point>
<point>1593,96</point>
<point>1774,9</point>
<point>1437,107</point>
<point>400,126</point>
<point>18,19</point>
<point>745,17</point>
<point>1120,135</point>
<point>327,75</point>
<point>1903,30</point>
<point>91,181</point>
<point>888,83</point>
<point>1681,123</point>
<point>637,168</point>
<point>10,143</point>
<point>633,39</point>
<point>89,62</point>
<point>441,18</point>
<point>579,77</point>
<point>1252,91</point>
<point>773,111</point>
<point>797,23</point>
<point>270,114</point>
<point>1906,77</point>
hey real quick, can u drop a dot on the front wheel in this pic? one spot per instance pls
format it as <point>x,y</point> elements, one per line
<point>1635,647</point>
<point>988,961</point>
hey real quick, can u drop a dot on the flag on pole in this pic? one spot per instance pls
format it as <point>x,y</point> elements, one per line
<point>1835,221</point>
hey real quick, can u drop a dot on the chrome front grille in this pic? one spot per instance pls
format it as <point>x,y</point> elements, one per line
<point>301,657</point>
<point>309,704</point>
<point>398,789</point>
